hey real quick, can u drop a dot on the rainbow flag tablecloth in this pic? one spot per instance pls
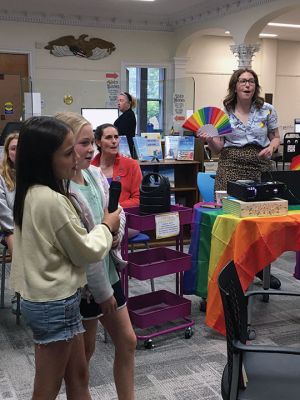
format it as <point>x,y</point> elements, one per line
<point>252,243</point>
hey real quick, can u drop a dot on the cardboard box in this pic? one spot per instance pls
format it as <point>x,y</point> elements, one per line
<point>241,208</point>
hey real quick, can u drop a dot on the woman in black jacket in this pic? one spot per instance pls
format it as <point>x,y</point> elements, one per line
<point>126,123</point>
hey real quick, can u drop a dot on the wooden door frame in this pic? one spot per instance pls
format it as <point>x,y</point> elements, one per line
<point>27,52</point>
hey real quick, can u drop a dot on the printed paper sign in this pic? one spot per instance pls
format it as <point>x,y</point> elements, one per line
<point>179,104</point>
<point>167,225</point>
<point>113,88</point>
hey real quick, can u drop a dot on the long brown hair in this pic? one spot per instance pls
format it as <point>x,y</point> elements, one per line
<point>8,170</point>
<point>39,139</point>
<point>231,98</point>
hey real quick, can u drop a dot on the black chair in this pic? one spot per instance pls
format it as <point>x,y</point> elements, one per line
<point>291,147</point>
<point>255,372</point>
<point>277,157</point>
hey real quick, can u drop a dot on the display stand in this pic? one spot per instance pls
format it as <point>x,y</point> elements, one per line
<point>158,307</point>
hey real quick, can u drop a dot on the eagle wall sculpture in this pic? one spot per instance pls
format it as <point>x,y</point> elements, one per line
<point>93,49</point>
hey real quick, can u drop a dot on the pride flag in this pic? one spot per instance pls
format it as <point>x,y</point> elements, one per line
<point>253,243</point>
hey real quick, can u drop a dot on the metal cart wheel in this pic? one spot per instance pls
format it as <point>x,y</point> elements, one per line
<point>203,305</point>
<point>148,344</point>
<point>251,334</point>
<point>265,298</point>
<point>188,333</point>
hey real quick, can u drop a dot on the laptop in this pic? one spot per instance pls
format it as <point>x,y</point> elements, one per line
<point>292,181</point>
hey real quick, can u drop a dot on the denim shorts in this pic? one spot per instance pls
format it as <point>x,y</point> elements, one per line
<point>92,310</point>
<point>55,320</point>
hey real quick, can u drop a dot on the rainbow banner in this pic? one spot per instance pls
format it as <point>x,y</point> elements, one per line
<point>253,243</point>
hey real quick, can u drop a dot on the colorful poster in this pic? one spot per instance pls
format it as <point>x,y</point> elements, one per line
<point>113,89</point>
<point>8,108</point>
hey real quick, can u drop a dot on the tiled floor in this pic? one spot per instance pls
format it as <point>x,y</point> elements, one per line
<point>176,369</point>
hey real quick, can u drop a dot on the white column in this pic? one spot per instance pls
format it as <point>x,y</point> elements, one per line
<point>268,66</point>
<point>180,67</point>
<point>244,53</point>
<point>180,91</point>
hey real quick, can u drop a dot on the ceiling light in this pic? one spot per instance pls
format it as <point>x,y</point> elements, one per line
<point>227,32</point>
<point>267,35</point>
<point>284,25</point>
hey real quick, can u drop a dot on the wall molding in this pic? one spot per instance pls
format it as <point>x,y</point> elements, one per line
<point>193,15</point>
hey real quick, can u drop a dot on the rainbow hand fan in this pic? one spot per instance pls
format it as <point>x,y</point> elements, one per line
<point>210,120</point>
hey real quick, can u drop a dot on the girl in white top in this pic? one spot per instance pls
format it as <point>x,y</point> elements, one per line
<point>108,303</point>
<point>51,249</point>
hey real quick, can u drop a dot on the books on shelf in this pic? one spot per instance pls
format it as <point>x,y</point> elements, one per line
<point>163,170</point>
<point>186,147</point>
<point>123,146</point>
<point>176,148</point>
<point>168,172</point>
<point>147,149</point>
<point>179,147</point>
<point>140,144</point>
<point>171,147</point>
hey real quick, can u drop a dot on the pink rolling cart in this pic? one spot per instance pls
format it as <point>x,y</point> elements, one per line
<point>158,307</point>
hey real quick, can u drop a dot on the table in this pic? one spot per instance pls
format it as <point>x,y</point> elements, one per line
<point>253,243</point>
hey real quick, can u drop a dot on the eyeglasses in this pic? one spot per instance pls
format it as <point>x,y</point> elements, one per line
<point>243,81</point>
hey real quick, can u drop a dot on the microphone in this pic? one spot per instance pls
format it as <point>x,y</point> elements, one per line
<point>114,195</point>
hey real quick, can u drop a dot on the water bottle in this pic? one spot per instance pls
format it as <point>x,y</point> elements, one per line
<point>150,127</point>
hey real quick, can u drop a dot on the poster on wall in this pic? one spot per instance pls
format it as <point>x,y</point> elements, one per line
<point>32,104</point>
<point>8,108</point>
<point>179,104</point>
<point>113,89</point>
<point>178,110</point>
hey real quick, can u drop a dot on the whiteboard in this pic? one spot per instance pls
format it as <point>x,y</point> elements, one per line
<point>99,116</point>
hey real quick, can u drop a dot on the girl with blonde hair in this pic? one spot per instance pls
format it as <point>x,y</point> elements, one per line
<point>107,303</point>
<point>7,188</point>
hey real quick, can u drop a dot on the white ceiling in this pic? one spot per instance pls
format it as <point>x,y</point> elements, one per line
<point>135,14</point>
<point>286,33</point>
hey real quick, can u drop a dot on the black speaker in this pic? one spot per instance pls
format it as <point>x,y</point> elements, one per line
<point>154,194</point>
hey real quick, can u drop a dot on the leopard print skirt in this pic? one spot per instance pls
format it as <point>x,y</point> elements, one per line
<point>240,163</point>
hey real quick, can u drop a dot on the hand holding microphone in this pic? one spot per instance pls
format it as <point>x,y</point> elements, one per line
<point>114,196</point>
<point>112,215</point>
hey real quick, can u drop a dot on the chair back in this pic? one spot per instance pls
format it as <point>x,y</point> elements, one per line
<point>206,185</point>
<point>291,146</point>
<point>235,311</point>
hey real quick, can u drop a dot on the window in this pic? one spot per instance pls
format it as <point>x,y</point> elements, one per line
<point>148,86</point>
